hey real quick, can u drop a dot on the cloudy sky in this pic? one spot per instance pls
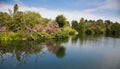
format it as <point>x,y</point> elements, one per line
<point>72,9</point>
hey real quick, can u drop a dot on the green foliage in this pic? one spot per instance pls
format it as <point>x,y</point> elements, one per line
<point>67,24</point>
<point>16,23</point>
<point>82,21</point>
<point>61,20</point>
<point>75,25</point>
<point>37,36</point>
<point>24,22</point>
<point>73,32</point>
<point>69,30</point>
<point>4,19</point>
<point>32,18</point>
<point>44,35</point>
<point>44,21</point>
<point>81,26</point>
<point>89,31</point>
<point>115,29</point>
<point>96,27</point>
<point>60,35</point>
<point>19,25</point>
<point>11,36</point>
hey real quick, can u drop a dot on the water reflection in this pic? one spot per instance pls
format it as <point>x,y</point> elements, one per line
<point>55,47</point>
<point>77,52</point>
<point>21,50</point>
<point>94,40</point>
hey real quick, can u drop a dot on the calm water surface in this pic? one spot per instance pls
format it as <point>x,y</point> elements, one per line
<point>72,53</point>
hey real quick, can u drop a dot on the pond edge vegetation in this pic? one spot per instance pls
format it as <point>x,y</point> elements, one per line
<point>18,25</point>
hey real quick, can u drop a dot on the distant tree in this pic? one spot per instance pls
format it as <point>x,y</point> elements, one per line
<point>100,21</point>
<point>115,29</point>
<point>108,25</point>
<point>67,23</point>
<point>75,25</point>
<point>81,26</point>
<point>86,20</point>
<point>107,21</point>
<point>89,31</point>
<point>44,21</point>
<point>82,20</point>
<point>61,20</point>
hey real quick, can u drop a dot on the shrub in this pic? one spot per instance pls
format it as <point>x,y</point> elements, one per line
<point>11,36</point>
<point>60,35</point>
<point>69,30</point>
<point>89,31</point>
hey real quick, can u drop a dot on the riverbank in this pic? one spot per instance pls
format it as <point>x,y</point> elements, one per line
<point>35,35</point>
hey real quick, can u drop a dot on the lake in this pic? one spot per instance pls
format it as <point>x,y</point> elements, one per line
<point>77,52</point>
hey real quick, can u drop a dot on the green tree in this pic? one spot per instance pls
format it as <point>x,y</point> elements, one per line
<point>81,26</point>
<point>16,23</point>
<point>99,21</point>
<point>75,25</point>
<point>32,18</point>
<point>115,29</point>
<point>4,19</point>
<point>108,25</point>
<point>67,23</point>
<point>61,20</point>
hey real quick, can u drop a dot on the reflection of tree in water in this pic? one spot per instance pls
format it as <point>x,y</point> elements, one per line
<point>20,49</point>
<point>60,53</point>
<point>74,39</point>
<point>55,47</point>
<point>2,51</point>
<point>81,38</point>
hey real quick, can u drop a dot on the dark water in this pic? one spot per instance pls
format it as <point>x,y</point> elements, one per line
<point>73,53</point>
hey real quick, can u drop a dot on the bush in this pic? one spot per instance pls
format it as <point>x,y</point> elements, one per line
<point>44,35</point>
<point>73,32</point>
<point>60,35</point>
<point>11,36</point>
<point>89,31</point>
<point>69,30</point>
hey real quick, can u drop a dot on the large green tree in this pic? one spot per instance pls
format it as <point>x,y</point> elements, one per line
<point>61,20</point>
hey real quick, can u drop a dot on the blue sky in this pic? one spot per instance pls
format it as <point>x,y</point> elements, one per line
<point>89,9</point>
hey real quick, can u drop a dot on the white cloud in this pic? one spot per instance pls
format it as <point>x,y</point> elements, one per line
<point>70,15</point>
<point>106,5</point>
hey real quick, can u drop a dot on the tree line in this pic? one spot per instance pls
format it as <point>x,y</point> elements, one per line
<point>96,27</point>
<point>18,21</point>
